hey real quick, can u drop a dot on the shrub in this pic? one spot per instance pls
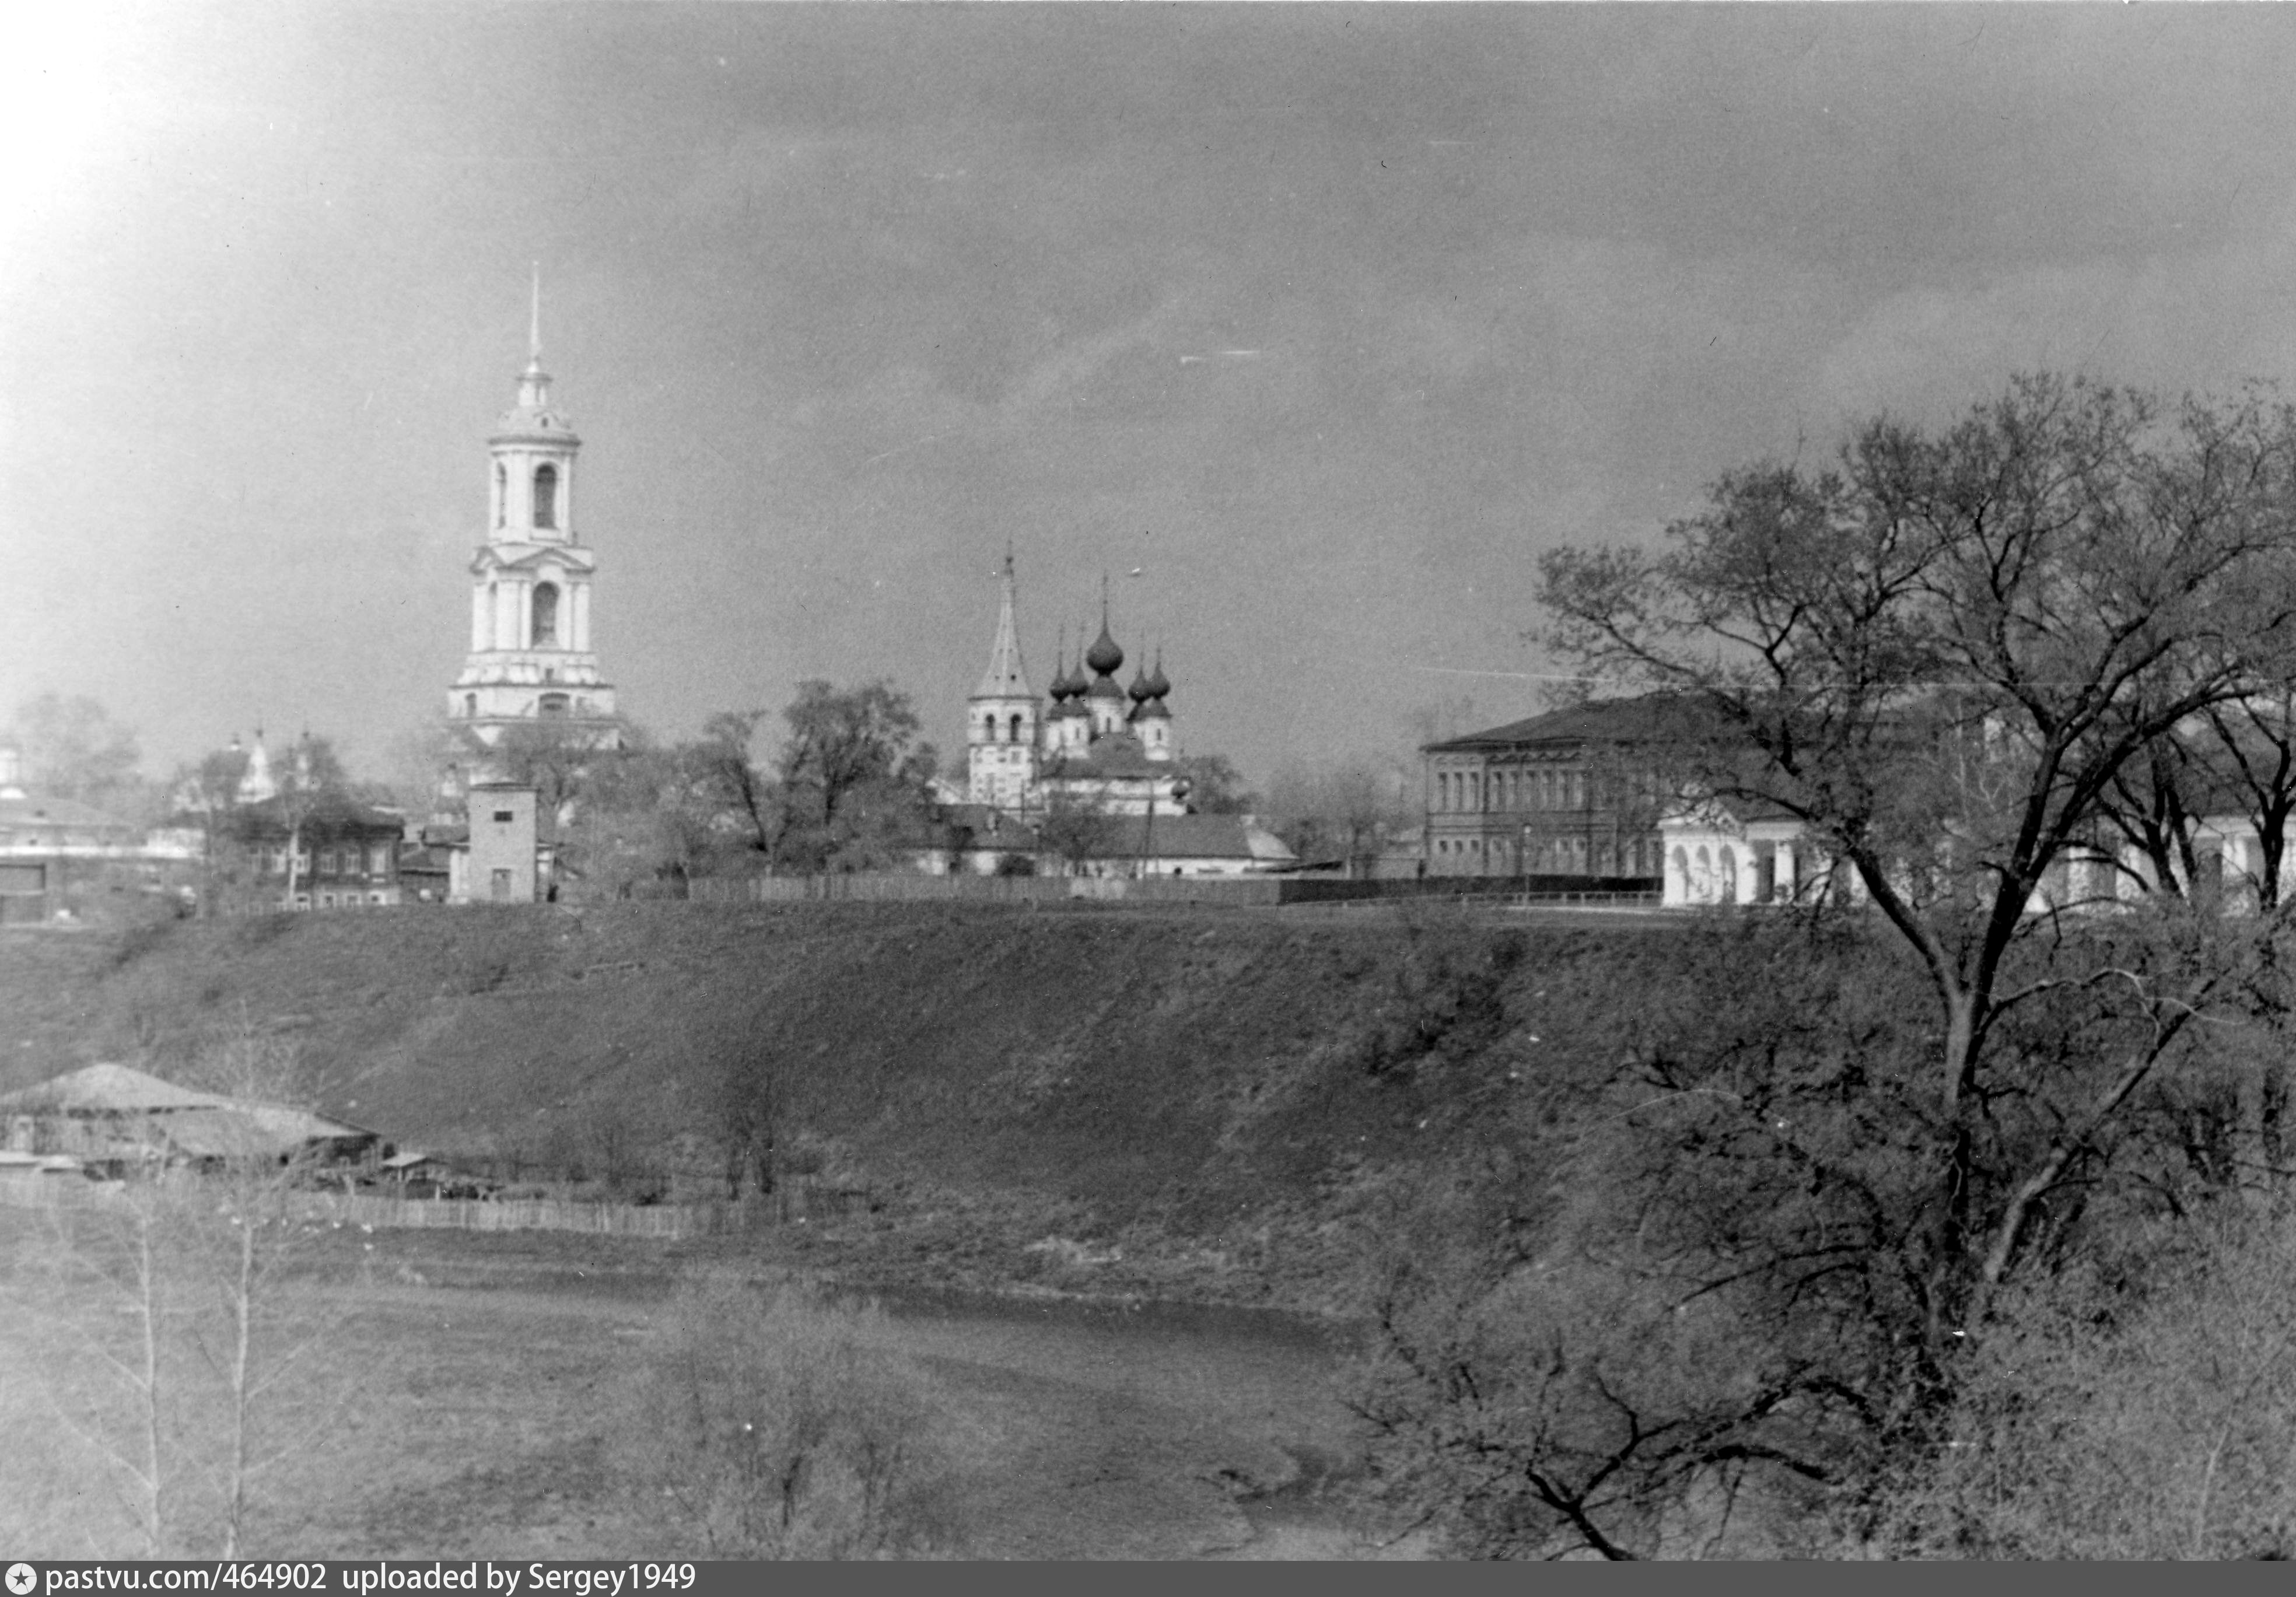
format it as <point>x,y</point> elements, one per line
<point>2147,1411</point>
<point>778,1426</point>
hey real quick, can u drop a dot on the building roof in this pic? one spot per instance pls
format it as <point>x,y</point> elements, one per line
<point>19,807</point>
<point>408,1159</point>
<point>1193,837</point>
<point>1118,756</point>
<point>421,859</point>
<point>327,812</point>
<point>246,1131</point>
<point>108,1089</point>
<point>216,1124</point>
<point>1005,677</point>
<point>1650,717</point>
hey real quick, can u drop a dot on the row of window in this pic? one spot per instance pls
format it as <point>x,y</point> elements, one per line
<point>1515,788</point>
<point>989,726</point>
<point>349,860</point>
<point>1562,856</point>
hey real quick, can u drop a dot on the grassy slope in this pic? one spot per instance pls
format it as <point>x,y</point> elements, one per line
<point>1192,1076</point>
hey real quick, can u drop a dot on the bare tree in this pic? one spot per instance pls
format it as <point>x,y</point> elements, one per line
<point>73,748</point>
<point>1941,654</point>
<point>1345,811</point>
<point>1075,828</point>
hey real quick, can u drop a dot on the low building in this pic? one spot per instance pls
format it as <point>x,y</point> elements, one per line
<point>977,839</point>
<point>325,851</point>
<point>1744,852</point>
<point>62,860</point>
<point>426,865</point>
<point>1180,846</point>
<point>109,1116</point>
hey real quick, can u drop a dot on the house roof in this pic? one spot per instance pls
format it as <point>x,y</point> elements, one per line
<point>243,1131</point>
<point>419,859</point>
<point>1193,837</point>
<point>110,1089</point>
<point>326,812</point>
<point>218,1122</point>
<point>1648,719</point>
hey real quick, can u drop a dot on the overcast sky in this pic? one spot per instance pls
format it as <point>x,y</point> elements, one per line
<point>1327,319</point>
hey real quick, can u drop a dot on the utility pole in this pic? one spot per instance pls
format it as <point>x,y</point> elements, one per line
<point>1181,788</point>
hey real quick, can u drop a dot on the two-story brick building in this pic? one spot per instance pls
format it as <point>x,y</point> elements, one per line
<point>1574,792</point>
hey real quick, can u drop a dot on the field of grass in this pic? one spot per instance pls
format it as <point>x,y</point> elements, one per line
<point>488,1396</point>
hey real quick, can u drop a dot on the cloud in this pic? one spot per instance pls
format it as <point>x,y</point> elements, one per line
<point>2173,319</point>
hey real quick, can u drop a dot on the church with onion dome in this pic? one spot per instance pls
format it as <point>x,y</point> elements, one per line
<point>1100,745</point>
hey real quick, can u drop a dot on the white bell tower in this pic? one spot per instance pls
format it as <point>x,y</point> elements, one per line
<point>1000,718</point>
<point>530,658</point>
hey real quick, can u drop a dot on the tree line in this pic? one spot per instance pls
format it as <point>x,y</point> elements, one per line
<point>840,779</point>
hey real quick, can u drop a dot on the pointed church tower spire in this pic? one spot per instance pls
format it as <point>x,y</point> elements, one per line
<point>1006,678</point>
<point>1000,718</point>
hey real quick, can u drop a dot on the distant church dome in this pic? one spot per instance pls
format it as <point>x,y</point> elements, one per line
<point>1140,692</point>
<point>1065,686</point>
<point>1104,657</point>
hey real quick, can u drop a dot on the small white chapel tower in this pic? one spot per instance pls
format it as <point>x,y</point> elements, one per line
<point>1000,718</point>
<point>530,658</point>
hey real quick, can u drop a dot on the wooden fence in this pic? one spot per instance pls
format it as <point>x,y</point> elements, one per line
<point>798,1201</point>
<point>892,887</point>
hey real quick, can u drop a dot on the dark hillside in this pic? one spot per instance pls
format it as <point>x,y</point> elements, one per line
<point>1219,1078</point>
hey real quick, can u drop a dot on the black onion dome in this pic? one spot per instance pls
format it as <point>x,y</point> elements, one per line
<point>1104,657</point>
<point>1158,687</point>
<point>1140,692</point>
